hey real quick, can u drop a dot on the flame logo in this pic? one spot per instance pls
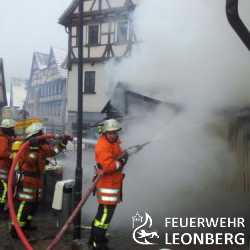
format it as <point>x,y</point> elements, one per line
<point>148,219</point>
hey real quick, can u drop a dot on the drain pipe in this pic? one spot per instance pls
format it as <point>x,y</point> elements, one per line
<point>236,23</point>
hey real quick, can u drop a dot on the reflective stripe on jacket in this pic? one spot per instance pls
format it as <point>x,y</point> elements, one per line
<point>109,188</point>
<point>33,166</point>
<point>5,155</point>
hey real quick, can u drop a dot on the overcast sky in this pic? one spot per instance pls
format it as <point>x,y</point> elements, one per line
<point>27,26</point>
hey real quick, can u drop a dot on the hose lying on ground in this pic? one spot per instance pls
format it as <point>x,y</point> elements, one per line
<point>130,151</point>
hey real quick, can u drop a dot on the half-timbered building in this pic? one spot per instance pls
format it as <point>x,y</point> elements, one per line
<point>3,98</point>
<point>107,33</point>
<point>46,95</point>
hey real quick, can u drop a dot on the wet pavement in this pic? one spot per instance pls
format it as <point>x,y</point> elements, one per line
<point>120,239</point>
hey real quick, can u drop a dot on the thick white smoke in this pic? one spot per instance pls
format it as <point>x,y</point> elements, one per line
<point>188,55</point>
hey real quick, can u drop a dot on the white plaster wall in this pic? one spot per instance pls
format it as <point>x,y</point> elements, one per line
<point>116,3</point>
<point>135,1</point>
<point>75,50</point>
<point>73,31</point>
<point>105,27</point>
<point>97,51</point>
<point>91,102</point>
<point>96,102</point>
<point>104,39</point>
<point>104,4</point>
<point>119,49</point>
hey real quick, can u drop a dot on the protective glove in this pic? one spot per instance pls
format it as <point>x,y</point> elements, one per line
<point>123,160</point>
<point>65,140</point>
<point>34,144</point>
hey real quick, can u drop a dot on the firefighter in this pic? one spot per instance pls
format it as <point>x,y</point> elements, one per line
<point>109,188</point>
<point>7,135</point>
<point>30,185</point>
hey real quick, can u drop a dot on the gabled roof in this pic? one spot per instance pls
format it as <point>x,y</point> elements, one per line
<point>42,59</point>
<point>18,91</point>
<point>64,19</point>
<point>65,15</point>
<point>124,99</point>
<point>111,111</point>
<point>60,55</point>
<point>2,80</point>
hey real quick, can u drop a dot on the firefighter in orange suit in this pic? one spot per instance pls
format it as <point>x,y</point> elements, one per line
<point>7,135</point>
<point>32,163</point>
<point>109,188</point>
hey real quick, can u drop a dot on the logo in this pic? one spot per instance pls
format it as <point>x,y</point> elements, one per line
<point>146,233</point>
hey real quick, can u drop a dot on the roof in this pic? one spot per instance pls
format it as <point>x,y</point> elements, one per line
<point>42,59</point>
<point>124,100</point>
<point>3,98</point>
<point>65,15</point>
<point>111,111</point>
<point>60,55</point>
<point>64,19</point>
<point>18,91</point>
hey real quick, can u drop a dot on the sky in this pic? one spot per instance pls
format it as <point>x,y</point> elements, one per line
<point>27,26</point>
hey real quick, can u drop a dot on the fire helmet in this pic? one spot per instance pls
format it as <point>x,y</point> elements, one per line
<point>33,129</point>
<point>111,125</point>
<point>8,123</point>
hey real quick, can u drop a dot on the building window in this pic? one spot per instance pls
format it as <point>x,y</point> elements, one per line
<point>60,88</point>
<point>93,34</point>
<point>89,83</point>
<point>122,29</point>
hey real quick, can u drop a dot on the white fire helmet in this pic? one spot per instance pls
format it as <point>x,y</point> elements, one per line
<point>33,129</point>
<point>8,123</point>
<point>111,125</point>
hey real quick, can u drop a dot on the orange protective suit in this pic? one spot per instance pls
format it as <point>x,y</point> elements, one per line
<point>33,167</point>
<point>109,188</point>
<point>5,155</point>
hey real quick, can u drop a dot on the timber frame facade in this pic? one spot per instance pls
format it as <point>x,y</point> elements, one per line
<point>107,33</point>
<point>46,96</point>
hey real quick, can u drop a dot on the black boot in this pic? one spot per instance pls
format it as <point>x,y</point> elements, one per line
<point>1,207</point>
<point>4,213</point>
<point>15,235</point>
<point>91,240</point>
<point>29,226</point>
<point>100,246</point>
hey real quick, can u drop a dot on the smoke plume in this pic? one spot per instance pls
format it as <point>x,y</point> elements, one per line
<point>188,55</point>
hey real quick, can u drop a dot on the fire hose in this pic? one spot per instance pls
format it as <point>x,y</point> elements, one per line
<point>129,151</point>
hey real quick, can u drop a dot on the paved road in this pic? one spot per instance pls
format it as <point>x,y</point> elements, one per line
<point>120,239</point>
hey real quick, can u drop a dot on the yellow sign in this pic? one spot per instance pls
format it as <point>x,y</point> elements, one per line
<point>26,123</point>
